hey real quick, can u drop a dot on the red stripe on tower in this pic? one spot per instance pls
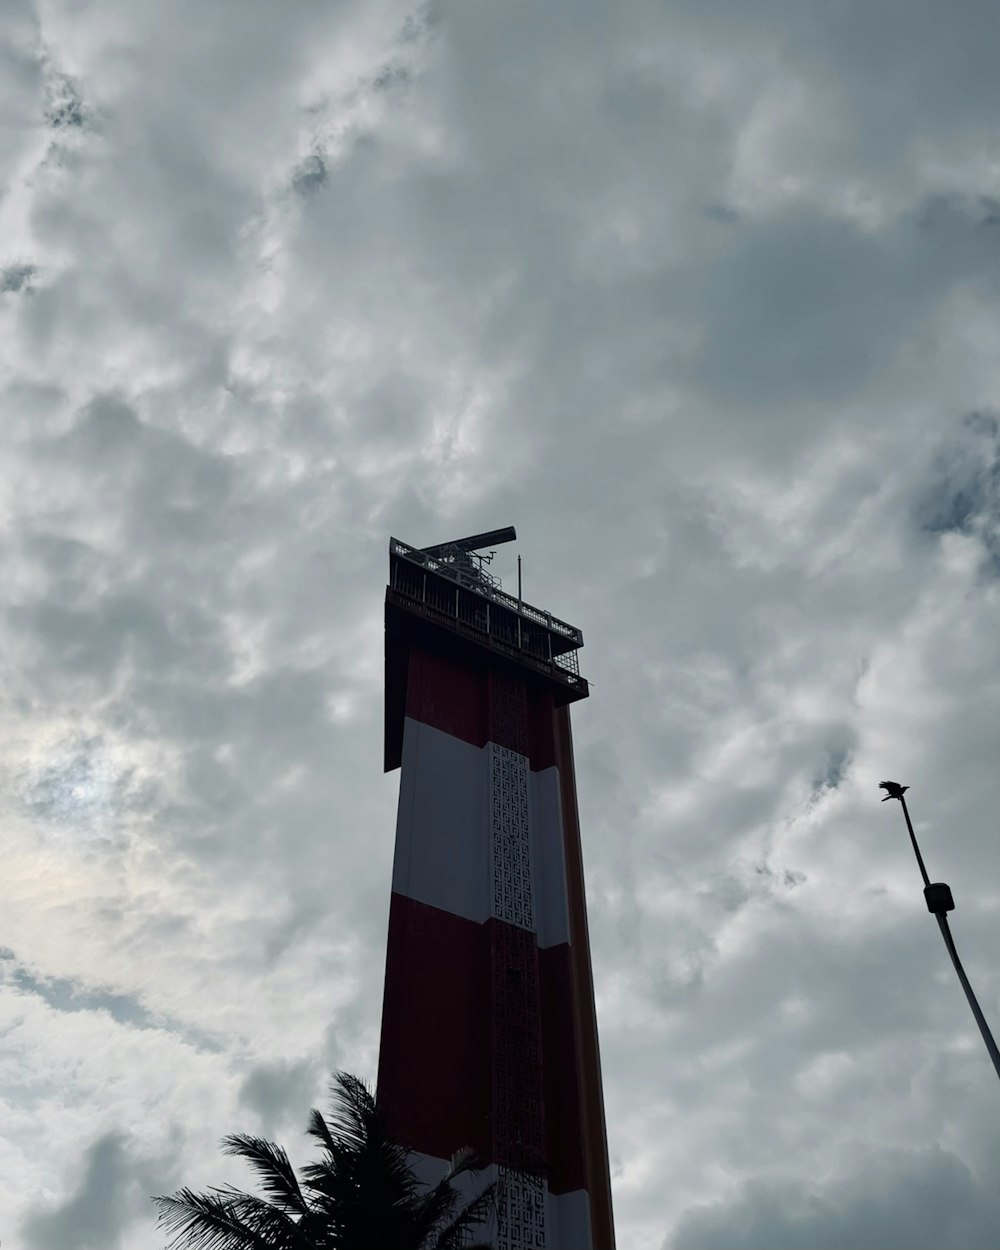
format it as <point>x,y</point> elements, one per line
<point>489,1034</point>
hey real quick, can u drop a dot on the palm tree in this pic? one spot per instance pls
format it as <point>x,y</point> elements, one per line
<point>361,1195</point>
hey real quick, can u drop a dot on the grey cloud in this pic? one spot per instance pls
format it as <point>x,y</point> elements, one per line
<point>17,277</point>
<point>837,763</point>
<point>21,79</point>
<point>310,175</point>
<point>392,77</point>
<point>63,994</point>
<point>97,639</point>
<point>64,108</point>
<point>279,1092</point>
<point>721,213</point>
<point>145,466</point>
<point>824,306</point>
<point>67,994</point>
<point>962,490</point>
<point>895,1201</point>
<point>111,1193</point>
<point>897,76</point>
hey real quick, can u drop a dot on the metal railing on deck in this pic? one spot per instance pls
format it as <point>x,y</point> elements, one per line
<point>429,587</point>
<point>482,583</point>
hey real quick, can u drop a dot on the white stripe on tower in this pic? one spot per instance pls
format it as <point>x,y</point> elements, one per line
<point>444,851</point>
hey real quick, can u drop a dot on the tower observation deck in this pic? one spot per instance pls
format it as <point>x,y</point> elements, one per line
<point>462,607</point>
<point>489,1032</point>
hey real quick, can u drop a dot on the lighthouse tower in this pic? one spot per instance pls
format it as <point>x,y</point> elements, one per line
<point>489,1035</point>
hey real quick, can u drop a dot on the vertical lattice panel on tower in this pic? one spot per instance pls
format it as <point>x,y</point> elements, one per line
<point>511,851</point>
<point>519,1127</point>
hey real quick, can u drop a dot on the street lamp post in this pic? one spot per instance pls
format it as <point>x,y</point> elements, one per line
<point>939,903</point>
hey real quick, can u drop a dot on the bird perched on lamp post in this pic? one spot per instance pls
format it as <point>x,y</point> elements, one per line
<point>893,790</point>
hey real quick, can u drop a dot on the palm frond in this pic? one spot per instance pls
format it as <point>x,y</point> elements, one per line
<point>480,1210</point>
<point>361,1166</point>
<point>442,1198</point>
<point>319,1129</point>
<point>436,1205</point>
<point>206,1222</point>
<point>353,1111</point>
<point>273,1169</point>
<point>435,1209</point>
<point>263,1218</point>
<point>464,1160</point>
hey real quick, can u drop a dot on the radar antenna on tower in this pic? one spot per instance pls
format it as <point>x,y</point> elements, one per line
<point>465,554</point>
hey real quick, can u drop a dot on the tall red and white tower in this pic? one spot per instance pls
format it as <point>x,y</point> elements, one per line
<point>489,1034</point>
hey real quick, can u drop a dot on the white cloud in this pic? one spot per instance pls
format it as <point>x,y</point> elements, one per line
<point>704,299</point>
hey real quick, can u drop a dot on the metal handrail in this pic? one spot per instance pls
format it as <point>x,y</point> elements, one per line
<point>561,666</point>
<point>481,584</point>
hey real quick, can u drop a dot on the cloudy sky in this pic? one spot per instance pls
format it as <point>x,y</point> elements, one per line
<point>705,299</point>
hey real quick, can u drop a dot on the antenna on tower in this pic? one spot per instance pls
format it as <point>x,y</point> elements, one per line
<point>464,554</point>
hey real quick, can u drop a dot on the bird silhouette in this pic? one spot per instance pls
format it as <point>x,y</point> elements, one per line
<point>893,790</point>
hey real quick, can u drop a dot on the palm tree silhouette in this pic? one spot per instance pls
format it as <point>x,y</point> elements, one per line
<point>361,1195</point>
